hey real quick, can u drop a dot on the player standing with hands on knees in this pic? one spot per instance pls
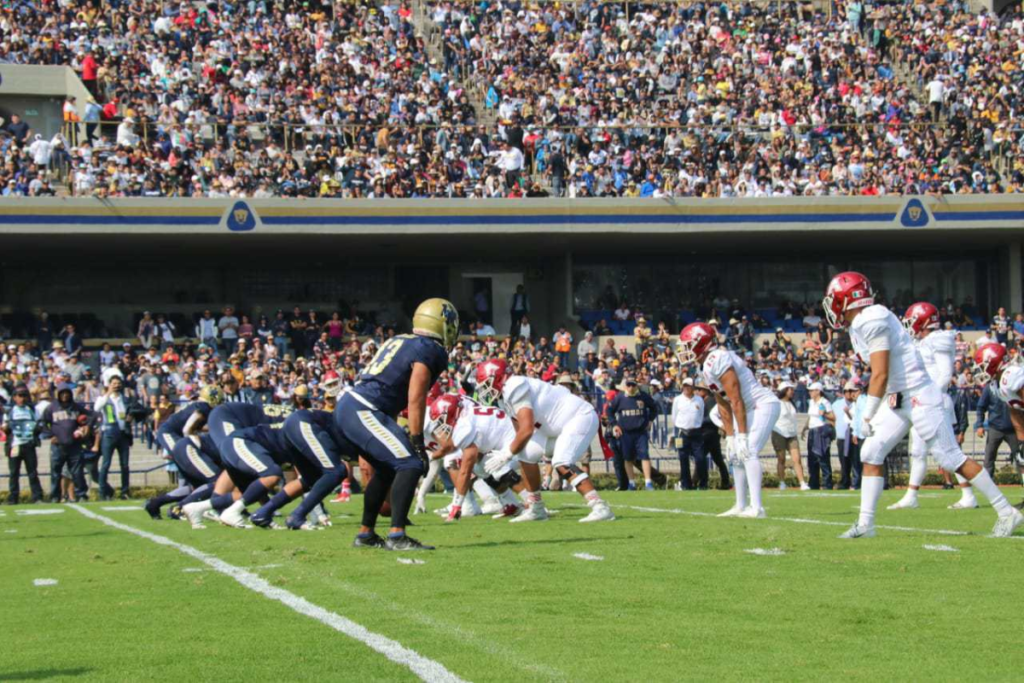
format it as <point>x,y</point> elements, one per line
<point>900,395</point>
<point>398,378</point>
<point>748,411</point>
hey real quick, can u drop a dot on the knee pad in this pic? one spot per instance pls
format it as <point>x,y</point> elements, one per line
<point>871,452</point>
<point>947,451</point>
<point>504,482</point>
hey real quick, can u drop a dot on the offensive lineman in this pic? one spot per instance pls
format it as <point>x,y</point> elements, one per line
<point>938,351</point>
<point>555,414</point>
<point>900,395</point>
<point>748,411</point>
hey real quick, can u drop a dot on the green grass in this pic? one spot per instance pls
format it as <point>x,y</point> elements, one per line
<point>675,597</point>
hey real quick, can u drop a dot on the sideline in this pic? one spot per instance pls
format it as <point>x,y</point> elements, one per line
<point>427,669</point>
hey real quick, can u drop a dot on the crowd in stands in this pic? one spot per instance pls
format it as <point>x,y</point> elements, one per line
<point>263,99</point>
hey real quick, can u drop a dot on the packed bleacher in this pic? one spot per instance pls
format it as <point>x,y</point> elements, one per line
<point>510,99</point>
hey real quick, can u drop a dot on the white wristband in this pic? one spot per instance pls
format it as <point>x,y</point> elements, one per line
<point>458,498</point>
<point>871,407</point>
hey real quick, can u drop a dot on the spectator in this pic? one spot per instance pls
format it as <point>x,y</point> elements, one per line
<point>631,413</point>
<point>586,347</point>
<point>641,335</point>
<point>72,342</point>
<point>21,426</point>
<point>67,423</point>
<point>563,346</point>
<point>1001,327</point>
<point>687,416</point>
<point>164,331</point>
<point>712,439</point>
<point>18,129</point>
<point>519,308</point>
<point>992,421</point>
<point>227,327</point>
<point>819,432</point>
<point>207,330</point>
<point>43,331</point>
<point>147,330</point>
<point>784,438</point>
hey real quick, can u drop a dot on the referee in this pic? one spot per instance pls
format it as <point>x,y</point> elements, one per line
<point>630,413</point>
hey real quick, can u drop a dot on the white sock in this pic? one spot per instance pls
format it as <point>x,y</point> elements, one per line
<point>482,490</point>
<point>739,480</point>
<point>509,498</point>
<point>983,483</point>
<point>593,498</point>
<point>870,492</point>
<point>966,492</point>
<point>752,467</point>
<point>203,505</point>
<point>918,470</point>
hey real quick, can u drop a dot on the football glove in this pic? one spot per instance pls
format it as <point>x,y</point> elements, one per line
<point>420,447</point>
<point>741,447</point>
<point>868,430</point>
<point>497,461</point>
<point>454,514</point>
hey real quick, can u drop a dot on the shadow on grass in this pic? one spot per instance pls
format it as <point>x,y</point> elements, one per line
<point>41,674</point>
<point>545,541</point>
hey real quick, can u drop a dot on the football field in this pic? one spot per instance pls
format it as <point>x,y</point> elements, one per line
<point>666,592</point>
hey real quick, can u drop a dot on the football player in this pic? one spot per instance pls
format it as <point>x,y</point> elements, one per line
<point>994,360</point>
<point>189,420</point>
<point>938,351</point>
<point>198,465</point>
<point>252,459</point>
<point>320,463</point>
<point>747,408</point>
<point>567,424</point>
<point>398,378</point>
<point>475,432</point>
<point>900,395</point>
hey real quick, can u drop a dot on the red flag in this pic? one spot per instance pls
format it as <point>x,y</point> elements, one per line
<point>608,454</point>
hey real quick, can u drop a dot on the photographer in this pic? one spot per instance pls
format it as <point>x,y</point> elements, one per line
<point>22,438</point>
<point>115,434</point>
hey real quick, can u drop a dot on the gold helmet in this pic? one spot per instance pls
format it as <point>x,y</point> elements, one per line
<point>437,319</point>
<point>211,394</point>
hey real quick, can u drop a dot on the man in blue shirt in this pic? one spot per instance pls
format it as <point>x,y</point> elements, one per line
<point>397,379</point>
<point>631,413</point>
<point>997,429</point>
<point>21,428</point>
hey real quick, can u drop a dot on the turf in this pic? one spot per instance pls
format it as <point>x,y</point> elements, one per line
<point>676,596</point>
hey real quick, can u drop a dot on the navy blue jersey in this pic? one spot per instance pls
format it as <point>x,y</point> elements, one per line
<point>230,417</point>
<point>631,413</point>
<point>273,440</point>
<point>175,424</point>
<point>384,382</point>
<point>313,433</point>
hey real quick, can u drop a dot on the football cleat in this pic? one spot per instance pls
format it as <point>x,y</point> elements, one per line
<point>153,509</point>
<point>323,521</point>
<point>211,515</point>
<point>600,513</point>
<point>490,507</point>
<point>342,497</point>
<point>370,541</point>
<point>194,515</point>
<point>232,517</point>
<point>753,513</point>
<point>734,511</point>
<point>904,504</point>
<point>509,510</point>
<point>298,524</point>
<point>858,531</point>
<point>962,504</point>
<point>264,523</point>
<point>534,513</point>
<point>1007,524</point>
<point>404,543</point>
<point>174,512</point>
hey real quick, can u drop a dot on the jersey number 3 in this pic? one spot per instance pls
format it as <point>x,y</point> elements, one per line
<point>384,356</point>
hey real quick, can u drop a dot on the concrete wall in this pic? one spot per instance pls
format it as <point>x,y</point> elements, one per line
<point>37,93</point>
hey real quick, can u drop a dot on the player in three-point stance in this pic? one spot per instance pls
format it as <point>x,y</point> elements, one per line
<point>748,411</point>
<point>900,395</point>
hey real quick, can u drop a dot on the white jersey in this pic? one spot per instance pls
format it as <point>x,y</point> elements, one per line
<point>1010,384</point>
<point>938,351</point>
<point>489,429</point>
<point>877,329</point>
<point>553,406</point>
<point>721,361</point>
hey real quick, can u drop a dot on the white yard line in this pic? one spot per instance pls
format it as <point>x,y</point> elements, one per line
<point>426,669</point>
<point>802,520</point>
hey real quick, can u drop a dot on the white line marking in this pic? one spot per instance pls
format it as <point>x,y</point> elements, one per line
<point>941,548</point>
<point>46,511</point>
<point>801,520</point>
<point>426,669</point>
<point>588,556</point>
<point>11,531</point>
<point>766,552</point>
<point>122,508</point>
<point>194,570</point>
<point>45,582</point>
<point>409,560</point>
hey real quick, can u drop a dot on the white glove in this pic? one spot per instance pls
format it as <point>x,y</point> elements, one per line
<point>742,447</point>
<point>730,447</point>
<point>867,431</point>
<point>421,505</point>
<point>497,461</point>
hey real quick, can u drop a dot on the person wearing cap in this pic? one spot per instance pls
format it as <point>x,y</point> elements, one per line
<point>66,421</point>
<point>845,409</point>
<point>819,432</point>
<point>631,413</point>
<point>687,415</point>
<point>784,438</point>
<point>21,427</point>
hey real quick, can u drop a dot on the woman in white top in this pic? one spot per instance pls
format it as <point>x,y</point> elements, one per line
<point>784,438</point>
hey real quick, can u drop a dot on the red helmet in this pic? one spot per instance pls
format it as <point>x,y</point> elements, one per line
<point>443,413</point>
<point>490,379</point>
<point>695,341</point>
<point>331,383</point>
<point>991,359</point>
<point>921,317</point>
<point>846,292</point>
